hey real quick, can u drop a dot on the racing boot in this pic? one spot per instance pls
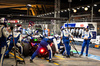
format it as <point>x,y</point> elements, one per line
<point>31,61</point>
<point>80,55</point>
<point>50,61</point>
<point>6,56</point>
<point>67,56</point>
<point>86,55</point>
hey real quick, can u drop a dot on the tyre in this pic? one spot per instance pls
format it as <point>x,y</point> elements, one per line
<point>26,49</point>
<point>71,53</point>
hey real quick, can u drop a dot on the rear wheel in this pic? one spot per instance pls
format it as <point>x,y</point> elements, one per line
<point>26,49</point>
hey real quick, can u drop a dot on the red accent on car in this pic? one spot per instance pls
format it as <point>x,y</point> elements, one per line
<point>42,50</point>
<point>32,44</point>
<point>51,44</point>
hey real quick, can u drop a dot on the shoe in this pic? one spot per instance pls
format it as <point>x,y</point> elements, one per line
<point>50,61</point>
<point>6,56</point>
<point>31,61</point>
<point>80,55</point>
<point>86,54</point>
<point>68,56</point>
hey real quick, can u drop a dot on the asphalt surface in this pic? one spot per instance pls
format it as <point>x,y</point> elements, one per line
<point>59,60</point>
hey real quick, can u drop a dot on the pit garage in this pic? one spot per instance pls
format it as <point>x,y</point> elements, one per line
<point>36,21</point>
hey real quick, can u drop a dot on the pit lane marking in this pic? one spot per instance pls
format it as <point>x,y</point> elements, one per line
<point>11,57</point>
<point>22,59</point>
<point>59,57</point>
<point>56,63</point>
<point>53,63</point>
<point>16,56</point>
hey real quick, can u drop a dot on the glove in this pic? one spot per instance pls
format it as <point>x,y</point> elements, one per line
<point>49,41</point>
<point>73,40</point>
<point>10,36</point>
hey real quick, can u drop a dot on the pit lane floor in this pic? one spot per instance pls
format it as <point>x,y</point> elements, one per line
<point>60,60</point>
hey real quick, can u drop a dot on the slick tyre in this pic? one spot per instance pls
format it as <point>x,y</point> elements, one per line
<point>26,49</point>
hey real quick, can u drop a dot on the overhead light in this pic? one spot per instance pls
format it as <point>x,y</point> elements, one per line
<point>50,13</point>
<point>29,5</point>
<point>45,14</point>
<point>85,8</point>
<point>68,9</point>
<point>58,11</point>
<point>62,11</point>
<point>78,8</point>
<point>54,12</point>
<point>74,10</point>
<point>82,7</point>
<point>65,10</point>
<point>95,4</point>
<point>99,10</point>
<point>88,6</point>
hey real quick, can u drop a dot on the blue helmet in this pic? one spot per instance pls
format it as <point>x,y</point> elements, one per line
<point>62,27</point>
<point>36,31</point>
<point>3,21</point>
<point>56,36</point>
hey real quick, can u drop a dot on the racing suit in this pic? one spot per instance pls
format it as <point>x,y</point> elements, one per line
<point>65,37</point>
<point>73,32</point>
<point>77,33</point>
<point>29,31</point>
<point>86,42</point>
<point>17,37</point>
<point>80,32</point>
<point>3,44</point>
<point>45,42</point>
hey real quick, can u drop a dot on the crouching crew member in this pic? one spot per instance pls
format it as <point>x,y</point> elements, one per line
<point>87,35</point>
<point>17,39</point>
<point>45,43</point>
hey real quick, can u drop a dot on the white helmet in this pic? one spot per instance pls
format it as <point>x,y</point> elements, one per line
<point>56,36</point>
<point>3,20</point>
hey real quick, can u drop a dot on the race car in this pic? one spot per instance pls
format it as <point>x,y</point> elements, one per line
<point>44,52</point>
<point>30,44</point>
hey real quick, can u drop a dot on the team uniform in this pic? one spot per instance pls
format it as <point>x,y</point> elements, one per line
<point>3,44</point>
<point>29,31</point>
<point>77,33</point>
<point>80,33</point>
<point>65,37</point>
<point>45,32</point>
<point>87,35</point>
<point>45,42</point>
<point>73,32</point>
<point>17,39</point>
